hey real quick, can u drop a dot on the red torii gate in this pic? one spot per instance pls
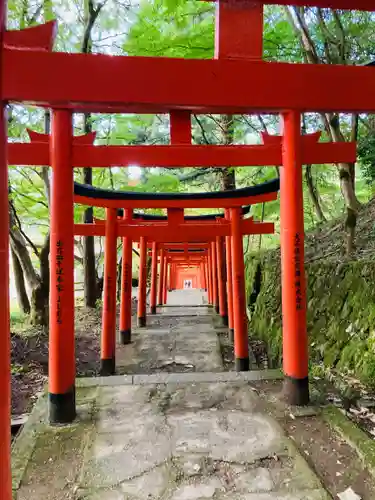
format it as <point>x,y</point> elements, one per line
<point>174,229</point>
<point>169,88</point>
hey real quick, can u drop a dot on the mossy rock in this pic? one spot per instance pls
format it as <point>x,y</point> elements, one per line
<point>340,315</point>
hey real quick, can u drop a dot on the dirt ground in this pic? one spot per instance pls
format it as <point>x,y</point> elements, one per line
<point>30,358</point>
<point>29,355</point>
<point>335,462</point>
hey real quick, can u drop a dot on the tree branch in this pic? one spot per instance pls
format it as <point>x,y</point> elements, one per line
<point>205,138</point>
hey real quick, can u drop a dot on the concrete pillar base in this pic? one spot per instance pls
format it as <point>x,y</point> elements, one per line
<point>296,391</point>
<point>62,407</point>
<point>125,337</point>
<point>242,364</point>
<point>141,321</point>
<point>107,367</point>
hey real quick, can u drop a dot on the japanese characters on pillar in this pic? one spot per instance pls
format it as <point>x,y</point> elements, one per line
<point>59,271</point>
<point>295,342</point>
<point>62,349</point>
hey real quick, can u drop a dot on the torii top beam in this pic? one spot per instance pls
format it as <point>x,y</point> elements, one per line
<point>329,4</point>
<point>176,233</point>
<point>64,80</point>
<point>85,154</point>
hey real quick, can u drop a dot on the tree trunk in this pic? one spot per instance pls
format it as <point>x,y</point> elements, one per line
<point>22,298</point>
<point>313,194</point>
<point>40,292</point>
<point>89,264</point>
<point>91,284</point>
<point>228,176</point>
<point>347,181</point>
<point>39,306</point>
<point>39,286</point>
<point>310,182</point>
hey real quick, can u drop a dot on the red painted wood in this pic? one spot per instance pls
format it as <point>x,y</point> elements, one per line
<point>161,277</point>
<point>77,140</point>
<point>126,283</point>
<point>180,125</point>
<point>66,80</point>
<point>239,30</point>
<point>330,4</point>
<point>61,318</point>
<point>177,233</point>
<point>142,285</point>
<point>221,277</point>
<point>40,37</point>
<point>295,342</point>
<point>154,277</point>
<point>241,345</point>
<point>182,156</point>
<point>108,337</point>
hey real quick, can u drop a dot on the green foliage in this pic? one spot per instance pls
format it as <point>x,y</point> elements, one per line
<point>366,153</point>
<point>173,28</point>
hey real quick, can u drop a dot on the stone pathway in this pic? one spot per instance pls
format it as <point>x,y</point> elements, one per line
<point>181,339</point>
<point>180,436</point>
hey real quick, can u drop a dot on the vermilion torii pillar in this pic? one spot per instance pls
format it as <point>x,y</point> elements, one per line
<point>154,278</point>
<point>161,277</point>
<point>221,279</point>
<point>295,342</point>
<point>142,283</point>
<point>108,339</point>
<point>165,281</point>
<point>215,291</point>
<point>209,274</point>
<point>61,321</point>
<point>203,276</point>
<point>241,341</point>
<point>126,285</point>
<point>228,255</point>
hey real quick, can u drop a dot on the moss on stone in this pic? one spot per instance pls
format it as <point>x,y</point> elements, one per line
<point>38,436</point>
<point>353,435</point>
<point>340,313</point>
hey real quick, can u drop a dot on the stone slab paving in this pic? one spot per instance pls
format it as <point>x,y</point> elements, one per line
<point>187,297</point>
<point>154,435</point>
<point>191,302</point>
<point>179,339</point>
<point>182,347</point>
<point>175,441</point>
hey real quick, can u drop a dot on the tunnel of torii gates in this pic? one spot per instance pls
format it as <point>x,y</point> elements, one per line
<point>236,81</point>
